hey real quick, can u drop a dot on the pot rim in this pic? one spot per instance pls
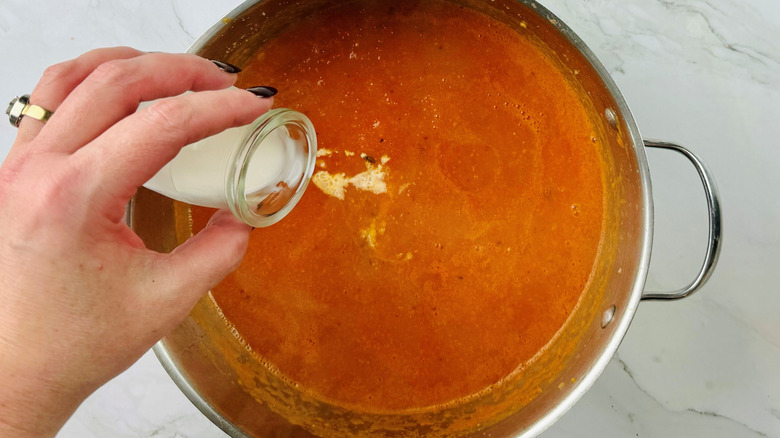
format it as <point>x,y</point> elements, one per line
<point>635,296</point>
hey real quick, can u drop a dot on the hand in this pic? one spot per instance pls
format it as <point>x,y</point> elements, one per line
<point>81,297</point>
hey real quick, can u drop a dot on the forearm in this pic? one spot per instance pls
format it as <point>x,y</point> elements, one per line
<point>35,398</point>
<point>33,408</point>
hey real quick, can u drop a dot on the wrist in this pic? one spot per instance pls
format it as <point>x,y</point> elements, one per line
<point>32,409</point>
<point>33,402</point>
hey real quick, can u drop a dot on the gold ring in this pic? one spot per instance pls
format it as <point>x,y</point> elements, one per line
<point>21,106</point>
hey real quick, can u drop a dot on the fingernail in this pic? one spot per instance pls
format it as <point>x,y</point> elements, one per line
<point>263,92</point>
<point>227,68</point>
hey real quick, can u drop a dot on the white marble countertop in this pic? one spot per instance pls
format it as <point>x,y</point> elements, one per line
<point>704,73</point>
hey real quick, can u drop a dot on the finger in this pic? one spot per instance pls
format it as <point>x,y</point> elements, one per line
<point>204,260</point>
<point>115,88</point>
<point>132,151</point>
<point>59,80</point>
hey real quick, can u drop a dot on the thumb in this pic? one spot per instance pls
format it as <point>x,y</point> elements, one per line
<point>205,259</point>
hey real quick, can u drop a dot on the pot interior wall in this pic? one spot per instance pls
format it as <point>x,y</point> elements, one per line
<point>207,353</point>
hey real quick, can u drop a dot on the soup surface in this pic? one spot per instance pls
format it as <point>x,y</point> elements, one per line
<point>454,216</point>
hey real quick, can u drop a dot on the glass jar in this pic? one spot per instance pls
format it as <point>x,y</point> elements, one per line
<point>257,171</point>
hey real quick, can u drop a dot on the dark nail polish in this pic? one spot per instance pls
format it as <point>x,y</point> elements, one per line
<point>264,92</point>
<point>228,68</point>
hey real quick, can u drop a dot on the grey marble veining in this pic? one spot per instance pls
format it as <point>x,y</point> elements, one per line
<point>733,37</point>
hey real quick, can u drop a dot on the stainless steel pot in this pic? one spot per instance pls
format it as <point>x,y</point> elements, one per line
<point>228,384</point>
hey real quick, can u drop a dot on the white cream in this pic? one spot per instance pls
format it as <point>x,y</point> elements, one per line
<point>372,180</point>
<point>197,175</point>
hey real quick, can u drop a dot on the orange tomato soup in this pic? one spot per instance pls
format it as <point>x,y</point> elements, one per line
<point>454,218</point>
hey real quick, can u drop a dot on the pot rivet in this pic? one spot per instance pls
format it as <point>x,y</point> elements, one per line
<point>611,117</point>
<point>608,316</point>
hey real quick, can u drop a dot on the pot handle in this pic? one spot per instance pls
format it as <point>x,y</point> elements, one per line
<point>715,231</point>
